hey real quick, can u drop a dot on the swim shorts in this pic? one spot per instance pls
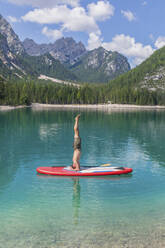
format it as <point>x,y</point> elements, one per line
<point>77,143</point>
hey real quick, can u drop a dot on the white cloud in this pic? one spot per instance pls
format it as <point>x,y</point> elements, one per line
<point>45,3</point>
<point>94,41</point>
<point>100,11</point>
<point>160,42</point>
<point>13,19</point>
<point>54,34</point>
<point>129,15</point>
<point>48,16</point>
<point>78,20</point>
<point>75,19</point>
<point>130,48</point>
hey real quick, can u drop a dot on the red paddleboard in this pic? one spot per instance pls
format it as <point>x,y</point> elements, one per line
<point>84,171</point>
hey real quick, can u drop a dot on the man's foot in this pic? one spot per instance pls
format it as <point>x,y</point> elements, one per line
<point>77,117</point>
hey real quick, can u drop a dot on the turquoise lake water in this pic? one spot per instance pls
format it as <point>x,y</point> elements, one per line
<point>114,211</point>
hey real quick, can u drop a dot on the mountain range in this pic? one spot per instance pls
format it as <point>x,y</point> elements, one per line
<point>66,50</point>
<point>64,59</point>
<point>98,65</point>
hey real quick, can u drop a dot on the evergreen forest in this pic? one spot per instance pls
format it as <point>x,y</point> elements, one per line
<point>24,93</point>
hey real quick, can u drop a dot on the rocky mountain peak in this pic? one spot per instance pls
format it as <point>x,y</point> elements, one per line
<point>29,42</point>
<point>100,49</point>
<point>13,41</point>
<point>34,49</point>
<point>100,65</point>
<point>66,50</point>
<point>68,43</point>
<point>110,61</point>
<point>96,57</point>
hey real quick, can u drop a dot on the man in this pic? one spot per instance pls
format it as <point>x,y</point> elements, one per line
<point>76,146</point>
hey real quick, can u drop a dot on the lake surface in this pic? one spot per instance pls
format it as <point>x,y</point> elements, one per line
<point>112,211</point>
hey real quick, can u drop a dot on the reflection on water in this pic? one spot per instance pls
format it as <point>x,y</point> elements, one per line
<point>49,211</point>
<point>48,130</point>
<point>76,199</point>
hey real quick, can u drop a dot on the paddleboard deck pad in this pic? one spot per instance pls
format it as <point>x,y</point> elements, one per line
<point>84,171</point>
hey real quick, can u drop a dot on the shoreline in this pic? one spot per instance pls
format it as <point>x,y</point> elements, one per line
<point>39,106</point>
<point>95,106</point>
<point>8,107</point>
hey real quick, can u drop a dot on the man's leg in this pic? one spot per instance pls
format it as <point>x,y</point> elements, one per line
<point>76,129</point>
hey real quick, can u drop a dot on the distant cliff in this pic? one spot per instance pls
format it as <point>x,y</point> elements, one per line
<point>14,44</point>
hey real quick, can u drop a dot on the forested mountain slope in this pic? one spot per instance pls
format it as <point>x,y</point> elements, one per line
<point>147,81</point>
<point>150,74</point>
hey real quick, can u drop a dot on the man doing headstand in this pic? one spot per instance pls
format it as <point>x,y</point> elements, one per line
<point>76,146</point>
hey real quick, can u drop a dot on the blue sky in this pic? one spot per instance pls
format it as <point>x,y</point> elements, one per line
<point>133,28</point>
